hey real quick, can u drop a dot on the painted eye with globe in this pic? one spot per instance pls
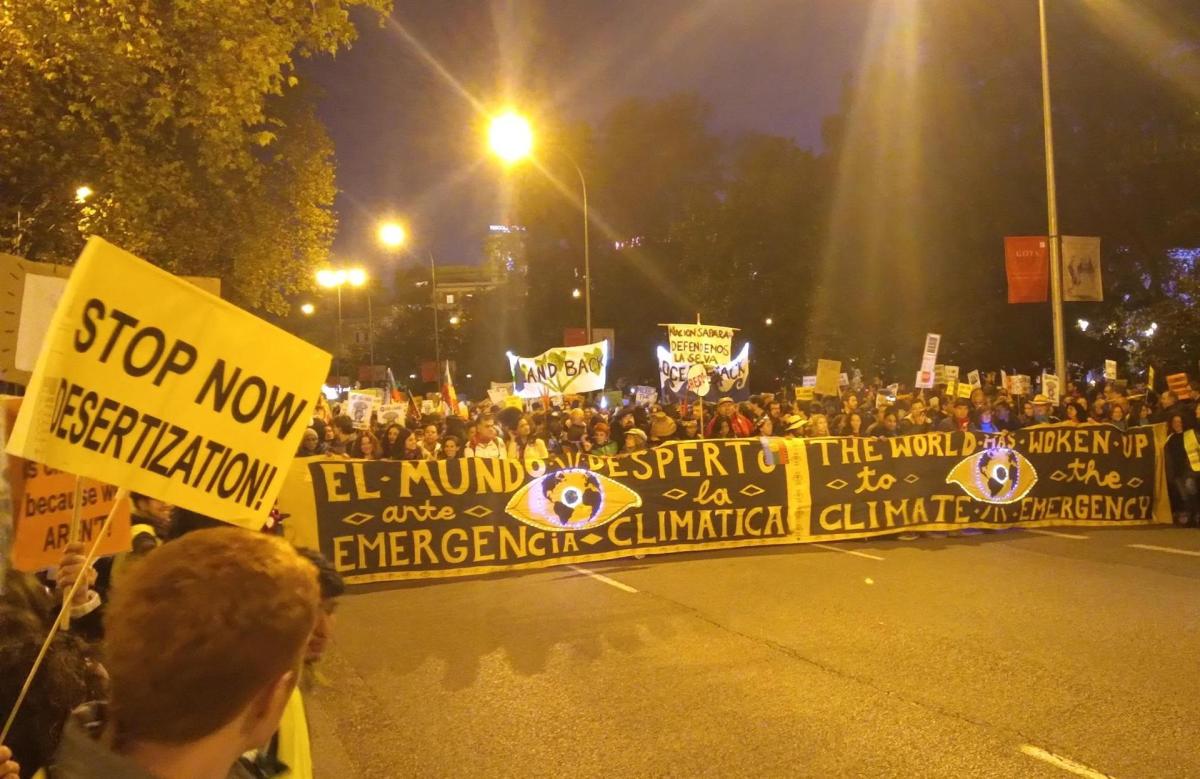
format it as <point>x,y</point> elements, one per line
<point>574,497</point>
<point>571,499</point>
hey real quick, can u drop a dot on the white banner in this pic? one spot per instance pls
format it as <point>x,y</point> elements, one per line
<point>559,371</point>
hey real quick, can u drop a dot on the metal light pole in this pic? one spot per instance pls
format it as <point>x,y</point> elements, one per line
<point>338,356</point>
<point>587,254</point>
<point>511,139</point>
<point>1056,294</point>
<point>437,343</point>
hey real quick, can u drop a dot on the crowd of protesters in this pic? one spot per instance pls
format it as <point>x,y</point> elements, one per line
<point>186,655</point>
<point>539,430</point>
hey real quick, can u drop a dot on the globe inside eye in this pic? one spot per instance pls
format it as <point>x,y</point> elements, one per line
<point>571,497</point>
<point>1000,473</point>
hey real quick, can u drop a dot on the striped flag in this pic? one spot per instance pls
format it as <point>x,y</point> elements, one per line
<point>448,393</point>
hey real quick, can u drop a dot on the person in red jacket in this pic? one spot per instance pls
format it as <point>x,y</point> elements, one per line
<point>739,425</point>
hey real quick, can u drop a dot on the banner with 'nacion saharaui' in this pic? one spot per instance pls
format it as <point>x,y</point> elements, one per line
<point>567,369</point>
<point>385,521</point>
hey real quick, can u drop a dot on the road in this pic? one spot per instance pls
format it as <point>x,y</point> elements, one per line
<point>977,656</point>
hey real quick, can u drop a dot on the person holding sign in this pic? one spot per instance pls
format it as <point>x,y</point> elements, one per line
<point>202,677</point>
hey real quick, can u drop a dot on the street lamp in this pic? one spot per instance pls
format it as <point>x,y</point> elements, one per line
<point>510,137</point>
<point>307,309</point>
<point>394,237</point>
<point>336,278</point>
<point>83,193</point>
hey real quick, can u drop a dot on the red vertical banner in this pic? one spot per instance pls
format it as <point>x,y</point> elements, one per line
<point>1027,265</point>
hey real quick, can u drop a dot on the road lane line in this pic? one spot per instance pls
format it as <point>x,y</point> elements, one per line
<point>847,551</point>
<point>601,577</point>
<point>1170,549</point>
<point>1055,533</point>
<point>1065,763</point>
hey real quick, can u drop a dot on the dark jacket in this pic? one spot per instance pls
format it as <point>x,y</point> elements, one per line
<point>83,755</point>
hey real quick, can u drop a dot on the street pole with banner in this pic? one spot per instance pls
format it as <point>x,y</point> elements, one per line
<point>1056,291</point>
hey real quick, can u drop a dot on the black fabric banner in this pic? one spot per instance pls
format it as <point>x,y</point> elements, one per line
<point>385,520</point>
<point>1091,474</point>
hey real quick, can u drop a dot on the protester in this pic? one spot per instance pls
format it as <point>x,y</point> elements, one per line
<point>739,426</point>
<point>959,419</point>
<point>602,444</point>
<point>486,443</point>
<point>392,446</point>
<point>451,448</point>
<point>310,444</point>
<point>343,435</point>
<point>525,445</point>
<point>635,440</point>
<point>366,446</point>
<point>818,426</point>
<point>203,647</point>
<point>429,441</point>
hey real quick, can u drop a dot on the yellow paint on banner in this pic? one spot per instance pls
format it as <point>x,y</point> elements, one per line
<point>147,382</point>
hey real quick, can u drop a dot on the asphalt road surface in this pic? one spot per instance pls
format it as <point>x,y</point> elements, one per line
<point>1072,652</point>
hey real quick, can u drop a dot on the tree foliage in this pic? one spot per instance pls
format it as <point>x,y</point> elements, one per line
<point>187,121</point>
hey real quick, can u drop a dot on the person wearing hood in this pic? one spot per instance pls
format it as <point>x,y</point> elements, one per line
<point>662,429</point>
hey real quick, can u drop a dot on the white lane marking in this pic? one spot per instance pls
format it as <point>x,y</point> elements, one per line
<point>847,551</point>
<point>1170,549</point>
<point>1065,763</point>
<point>1055,533</point>
<point>601,577</point>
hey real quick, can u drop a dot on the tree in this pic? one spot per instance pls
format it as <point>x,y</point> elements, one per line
<point>187,121</point>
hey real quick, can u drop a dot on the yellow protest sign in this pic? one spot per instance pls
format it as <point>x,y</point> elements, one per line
<point>964,390</point>
<point>804,394</point>
<point>148,382</point>
<point>829,374</point>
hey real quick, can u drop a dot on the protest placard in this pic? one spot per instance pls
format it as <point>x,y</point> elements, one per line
<point>700,344</point>
<point>393,413</point>
<point>561,370</point>
<point>828,373</point>
<point>43,507</point>
<point>359,406</point>
<point>973,379</point>
<point>1179,384</point>
<point>149,383</point>
<point>804,394</point>
<point>1110,370</point>
<point>1022,384</point>
<point>808,381</point>
<point>927,374</point>
<point>843,379</point>
<point>951,374</point>
<point>939,374</point>
<point>1050,387</point>
<point>645,396</point>
<point>964,390</point>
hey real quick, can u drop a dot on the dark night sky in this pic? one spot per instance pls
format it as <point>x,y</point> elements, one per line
<point>409,144</point>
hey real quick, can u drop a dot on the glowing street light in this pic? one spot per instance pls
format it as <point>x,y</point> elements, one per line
<point>307,309</point>
<point>768,321</point>
<point>575,293</point>
<point>83,193</point>
<point>392,235</point>
<point>1082,324</point>
<point>336,278</point>
<point>510,137</point>
<point>454,319</point>
<point>356,277</point>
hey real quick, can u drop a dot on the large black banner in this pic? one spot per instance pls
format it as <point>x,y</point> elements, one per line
<point>386,520</point>
<point>1088,475</point>
<point>379,521</point>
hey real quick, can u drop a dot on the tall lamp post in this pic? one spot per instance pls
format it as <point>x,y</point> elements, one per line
<point>336,278</point>
<point>510,137</point>
<point>394,237</point>
<point>1056,292</point>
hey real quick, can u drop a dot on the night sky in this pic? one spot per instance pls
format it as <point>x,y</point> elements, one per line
<point>409,144</point>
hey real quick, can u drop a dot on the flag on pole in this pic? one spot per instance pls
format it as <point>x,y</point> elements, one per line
<point>448,393</point>
<point>393,392</point>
